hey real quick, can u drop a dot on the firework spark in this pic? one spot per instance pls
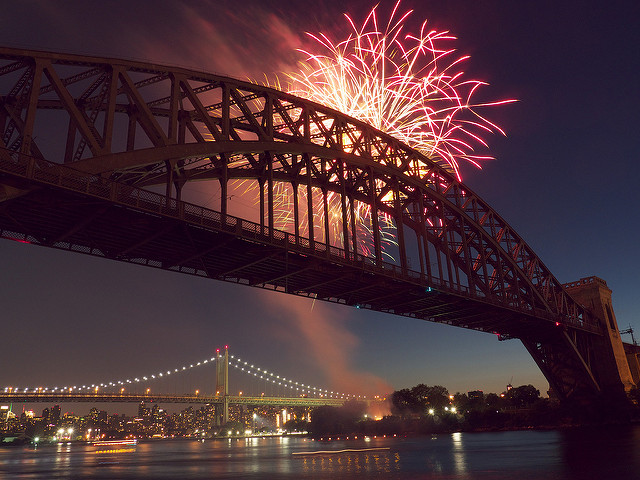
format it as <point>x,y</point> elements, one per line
<point>410,86</point>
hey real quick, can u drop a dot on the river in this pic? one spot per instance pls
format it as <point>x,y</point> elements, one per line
<point>579,454</point>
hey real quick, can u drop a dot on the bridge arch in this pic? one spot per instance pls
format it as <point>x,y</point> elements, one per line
<point>128,130</point>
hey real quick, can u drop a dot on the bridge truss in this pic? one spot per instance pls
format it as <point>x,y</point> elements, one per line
<point>109,158</point>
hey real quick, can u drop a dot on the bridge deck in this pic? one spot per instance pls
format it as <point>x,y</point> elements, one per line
<point>137,398</point>
<point>78,212</point>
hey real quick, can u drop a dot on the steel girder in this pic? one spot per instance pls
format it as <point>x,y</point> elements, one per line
<point>145,126</point>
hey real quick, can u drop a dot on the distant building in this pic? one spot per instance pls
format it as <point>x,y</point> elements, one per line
<point>143,411</point>
<point>55,415</point>
<point>476,395</point>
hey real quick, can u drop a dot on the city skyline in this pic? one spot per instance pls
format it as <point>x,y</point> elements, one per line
<point>67,314</point>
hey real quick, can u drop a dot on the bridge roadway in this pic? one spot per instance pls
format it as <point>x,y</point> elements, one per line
<point>152,398</point>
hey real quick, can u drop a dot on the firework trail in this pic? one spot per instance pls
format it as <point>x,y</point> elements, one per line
<point>410,86</point>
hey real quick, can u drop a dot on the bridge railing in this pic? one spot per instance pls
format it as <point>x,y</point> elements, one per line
<point>66,177</point>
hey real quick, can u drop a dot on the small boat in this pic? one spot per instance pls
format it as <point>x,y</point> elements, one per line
<point>104,443</point>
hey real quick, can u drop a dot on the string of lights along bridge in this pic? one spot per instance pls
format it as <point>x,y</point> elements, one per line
<point>258,373</point>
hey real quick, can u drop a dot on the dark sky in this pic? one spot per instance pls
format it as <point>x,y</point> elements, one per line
<point>565,177</point>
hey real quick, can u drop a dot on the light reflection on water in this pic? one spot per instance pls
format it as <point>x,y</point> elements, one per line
<point>351,464</point>
<point>458,453</point>
<point>609,453</point>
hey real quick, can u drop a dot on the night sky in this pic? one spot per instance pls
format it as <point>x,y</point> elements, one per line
<point>565,177</point>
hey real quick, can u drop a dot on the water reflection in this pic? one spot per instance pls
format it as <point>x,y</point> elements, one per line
<point>353,463</point>
<point>458,453</point>
<point>596,453</point>
<point>571,455</point>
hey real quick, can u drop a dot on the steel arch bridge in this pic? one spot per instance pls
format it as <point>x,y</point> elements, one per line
<point>107,157</point>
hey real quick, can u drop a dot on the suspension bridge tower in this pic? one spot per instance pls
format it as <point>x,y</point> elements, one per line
<point>222,385</point>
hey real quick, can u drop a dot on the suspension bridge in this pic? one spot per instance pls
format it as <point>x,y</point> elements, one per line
<point>136,390</point>
<point>100,156</point>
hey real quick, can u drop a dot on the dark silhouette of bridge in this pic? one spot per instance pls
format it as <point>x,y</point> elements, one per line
<point>100,156</point>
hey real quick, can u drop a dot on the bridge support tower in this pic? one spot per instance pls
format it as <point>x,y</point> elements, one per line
<point>222,386</point>
<point>613,367</point>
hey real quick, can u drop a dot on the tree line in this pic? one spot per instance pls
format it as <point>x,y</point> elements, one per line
<point>431,409</point>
